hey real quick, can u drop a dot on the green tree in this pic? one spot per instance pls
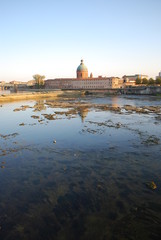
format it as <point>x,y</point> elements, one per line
<point>158,80</point>
<point>151,81</point>
<point>39,79</point>
<point>138,81</point>
<point>144,81</point>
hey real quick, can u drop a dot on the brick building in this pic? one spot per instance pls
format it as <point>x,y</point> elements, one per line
<point>82,81</point>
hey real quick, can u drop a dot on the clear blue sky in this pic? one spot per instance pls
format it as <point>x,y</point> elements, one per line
<point>49,37</point>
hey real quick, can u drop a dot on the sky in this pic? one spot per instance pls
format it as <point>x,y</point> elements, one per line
<point>50,37</point>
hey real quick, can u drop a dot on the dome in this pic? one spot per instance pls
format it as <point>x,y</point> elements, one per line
<point>82,67</point>
<point>82,71</point>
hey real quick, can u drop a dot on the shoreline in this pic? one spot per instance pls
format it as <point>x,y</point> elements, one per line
<point>150,91</point>
<point>28,95</point>
<point>49,94</point>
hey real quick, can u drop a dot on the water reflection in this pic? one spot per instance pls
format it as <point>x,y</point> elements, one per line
<point>40,105</point>
<point>115,102</point>
<point>83,112</point>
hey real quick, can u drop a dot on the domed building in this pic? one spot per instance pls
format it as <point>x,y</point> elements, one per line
<point>82,71</point>
<point>83,82</point>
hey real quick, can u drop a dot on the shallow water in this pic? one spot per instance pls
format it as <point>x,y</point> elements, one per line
<point>91,183</point>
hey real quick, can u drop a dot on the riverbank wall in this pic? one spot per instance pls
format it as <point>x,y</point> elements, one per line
<point>139,90</point>
<point>143,90</point>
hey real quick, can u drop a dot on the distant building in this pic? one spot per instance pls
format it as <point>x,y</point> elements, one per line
<point>160,74</point>
<point>31,83</point>
<point>130,80</point>
<point>8,86</point>
<point>82,81</point>
<point>18,85</point>
<point>2,85</point>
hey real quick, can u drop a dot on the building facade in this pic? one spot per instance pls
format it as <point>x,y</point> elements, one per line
<point>82,81</point>
<point>89,83</point>
<point>130,80</point>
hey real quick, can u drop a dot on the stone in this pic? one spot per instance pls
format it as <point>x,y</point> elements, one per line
<point>151,185</point>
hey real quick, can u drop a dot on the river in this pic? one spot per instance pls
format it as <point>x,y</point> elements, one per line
<point>80,168</point>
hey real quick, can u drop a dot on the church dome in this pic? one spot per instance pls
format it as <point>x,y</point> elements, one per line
<point>82,71</point>
<point>82,67</point>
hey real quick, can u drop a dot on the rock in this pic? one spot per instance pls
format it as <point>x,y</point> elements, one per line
<point>35,117</point>
<point>118,125</point>
<point>152,140</point>
<point>129,108</point>
<point>158,118</point>
<point>21,124</point>
<point>17,109</point>
<point>2,166</point>
<point>49,116</point>
<point>22,108</point>
<point>40,120</point>
<point>151,185</point>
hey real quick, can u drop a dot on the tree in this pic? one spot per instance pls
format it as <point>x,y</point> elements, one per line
<point>151,81</point>
<point>158,80</point>
<point>39,79</point>
<point>138,81</point>
<point>144,81</point>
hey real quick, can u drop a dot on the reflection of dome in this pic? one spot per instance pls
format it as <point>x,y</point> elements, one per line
<point>83,112</point>
<point>82,71</point>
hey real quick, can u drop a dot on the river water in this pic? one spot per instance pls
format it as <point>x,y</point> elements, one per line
<point>71,169</point>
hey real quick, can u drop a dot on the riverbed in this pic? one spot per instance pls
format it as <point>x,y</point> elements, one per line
<point>80,168</point>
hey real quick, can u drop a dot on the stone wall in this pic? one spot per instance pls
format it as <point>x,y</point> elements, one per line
<point>143,90</point>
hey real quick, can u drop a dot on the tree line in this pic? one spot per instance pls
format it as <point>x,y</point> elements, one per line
<point>149,81</point>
